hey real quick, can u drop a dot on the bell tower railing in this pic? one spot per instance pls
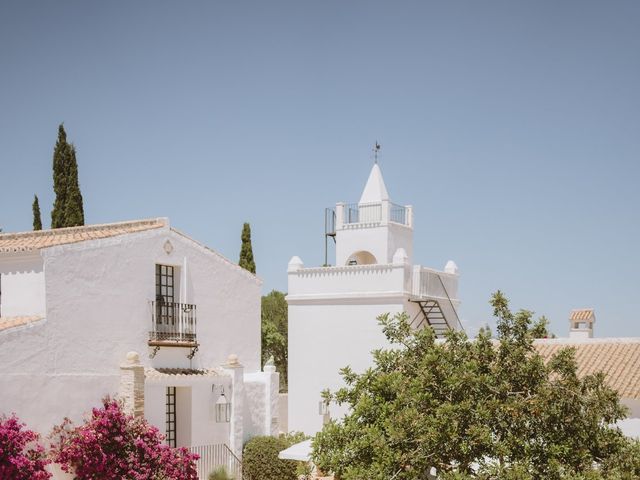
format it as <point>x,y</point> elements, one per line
<point>373,213</point>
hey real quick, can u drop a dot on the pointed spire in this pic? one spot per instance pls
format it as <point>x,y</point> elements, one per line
<point>375,190</point>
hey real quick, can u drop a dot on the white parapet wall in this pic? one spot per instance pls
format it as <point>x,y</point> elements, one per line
<point>355,280</point>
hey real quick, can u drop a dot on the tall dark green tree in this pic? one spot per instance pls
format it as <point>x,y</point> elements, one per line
<point>37,220</point>
<point>73,209</point>
<point>246,251</point>
<point>60,162</point>
<point>67,210</point>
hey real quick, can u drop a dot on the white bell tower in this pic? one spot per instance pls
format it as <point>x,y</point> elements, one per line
<point>333,310</point>
<point>372,230</point>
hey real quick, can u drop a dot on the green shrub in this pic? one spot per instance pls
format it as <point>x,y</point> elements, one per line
<point>293,437</point>
<point>220,473</point>
<point>260,460</point>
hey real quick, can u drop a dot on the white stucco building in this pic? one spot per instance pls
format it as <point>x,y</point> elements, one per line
<point>333,309</point>
<point>76,303</point>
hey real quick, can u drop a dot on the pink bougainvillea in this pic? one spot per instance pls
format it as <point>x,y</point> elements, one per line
<point>112,444</point>
<point>21,456</point>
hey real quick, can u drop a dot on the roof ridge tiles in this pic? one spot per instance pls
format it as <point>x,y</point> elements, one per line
<point>37,240</point>
<point>83,228</point>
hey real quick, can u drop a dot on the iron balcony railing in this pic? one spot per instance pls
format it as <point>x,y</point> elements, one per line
<point>172,323</point>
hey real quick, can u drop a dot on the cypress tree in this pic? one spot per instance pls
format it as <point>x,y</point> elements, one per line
<point>60,161</point>
<point>67,210</point>
<point>37,221</point>
<point>246,251</point>
<point>73,209</point>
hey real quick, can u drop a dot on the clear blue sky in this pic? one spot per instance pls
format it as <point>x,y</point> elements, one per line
<point>512,127</point>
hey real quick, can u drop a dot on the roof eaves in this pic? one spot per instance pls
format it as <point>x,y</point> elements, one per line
<point>220,257</point>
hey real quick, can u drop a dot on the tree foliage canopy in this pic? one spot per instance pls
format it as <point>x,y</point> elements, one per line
<point>485,409</point>
<point>68,210</point>
<point>275,333</point>
<point>246,250</point>
<point>37,219</point>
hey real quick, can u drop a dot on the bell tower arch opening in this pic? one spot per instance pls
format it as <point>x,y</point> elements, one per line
<point>361,257</point>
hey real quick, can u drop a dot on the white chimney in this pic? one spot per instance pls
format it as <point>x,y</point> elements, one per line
<point>581,323</point>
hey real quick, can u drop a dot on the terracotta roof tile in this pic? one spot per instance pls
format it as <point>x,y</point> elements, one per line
<point>581,314</point>
<point>617,358</point>
<point>10,322</point>
<point>29,241</point>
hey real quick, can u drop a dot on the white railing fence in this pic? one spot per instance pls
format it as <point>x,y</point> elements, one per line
<point>439,286</point>
<point>213,457</point>
<point>433,284</point>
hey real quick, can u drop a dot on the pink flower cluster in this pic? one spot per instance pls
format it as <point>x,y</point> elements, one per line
<point>21,457</point>
<point>112,444</point>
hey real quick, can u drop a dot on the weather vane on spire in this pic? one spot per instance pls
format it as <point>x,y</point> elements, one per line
<point>376,149</point>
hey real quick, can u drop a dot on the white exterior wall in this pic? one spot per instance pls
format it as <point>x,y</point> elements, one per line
<point>23,285</point>
<point>380,240</point>
<point>98,296</point>
<point>323,338</point>
<point>349,240</point>
<point>262,403</point>
<point>194,396</point>
<point>580,333</point>
<point>400,236</point>
<point>333,323</point>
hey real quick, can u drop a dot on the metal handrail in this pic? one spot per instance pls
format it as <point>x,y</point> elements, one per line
<point>398,214</point>
<point>172,322</point>
<point>451,303</point>
<point>238,462</point>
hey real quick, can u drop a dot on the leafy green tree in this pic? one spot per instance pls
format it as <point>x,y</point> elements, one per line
<point>68,210</point>
<point>481,409</point>
<point>37,220</point>
<point>246,251</point>
<point>275,333</point>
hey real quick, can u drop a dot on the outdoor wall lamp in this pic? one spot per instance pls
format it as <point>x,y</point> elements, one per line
<point>222,406</point>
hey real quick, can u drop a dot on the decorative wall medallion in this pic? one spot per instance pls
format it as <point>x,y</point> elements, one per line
<point>168,247</point>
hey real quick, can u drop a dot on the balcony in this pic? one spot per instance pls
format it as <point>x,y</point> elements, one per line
<point>173,325</point>
<point>379,213</point>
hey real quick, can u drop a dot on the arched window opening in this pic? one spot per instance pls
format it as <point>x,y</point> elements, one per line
<point>361,258</point>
